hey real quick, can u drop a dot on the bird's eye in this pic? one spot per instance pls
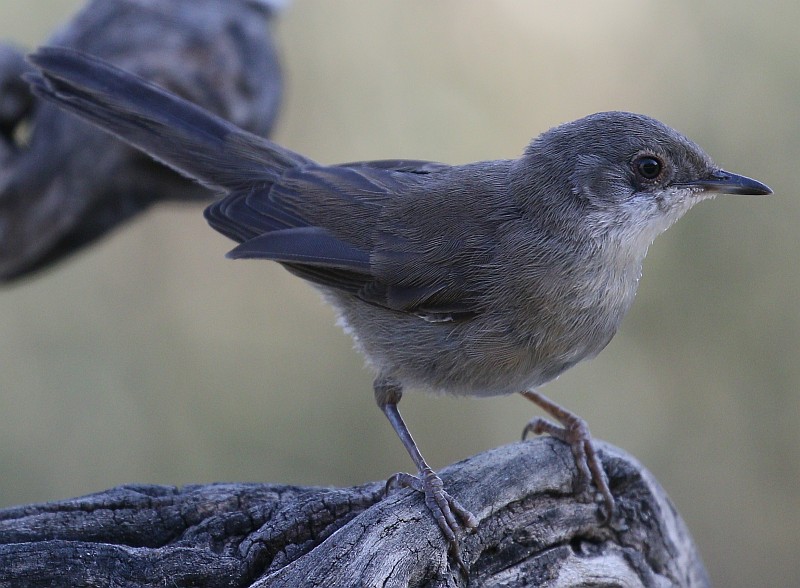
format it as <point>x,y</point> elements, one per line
<point>648,167</point>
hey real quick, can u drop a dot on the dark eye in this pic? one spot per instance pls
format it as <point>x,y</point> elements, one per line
<point>648,167</point>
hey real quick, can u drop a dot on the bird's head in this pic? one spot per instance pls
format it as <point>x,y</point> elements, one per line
<point>626,175</point>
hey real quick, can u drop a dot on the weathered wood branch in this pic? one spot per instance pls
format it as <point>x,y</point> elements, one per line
<point>533,532</point>
<point>64,184</point>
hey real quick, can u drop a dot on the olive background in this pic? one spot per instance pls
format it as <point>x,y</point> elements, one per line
<point>150,358</point>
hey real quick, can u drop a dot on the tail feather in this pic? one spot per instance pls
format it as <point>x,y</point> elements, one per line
<point>183,136</point>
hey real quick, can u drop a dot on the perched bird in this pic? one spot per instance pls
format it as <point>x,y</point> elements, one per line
<point>481,279</point>
<point>68,184</point>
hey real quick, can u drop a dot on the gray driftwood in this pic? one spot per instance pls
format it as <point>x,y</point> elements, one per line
<point>533,532</point>
<point>65,184</point>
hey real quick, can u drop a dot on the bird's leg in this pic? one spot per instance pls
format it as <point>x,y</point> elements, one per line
<point>574,432</point>
<point>442,506</point>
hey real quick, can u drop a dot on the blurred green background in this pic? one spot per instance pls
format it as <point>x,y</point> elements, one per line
<point>150,358</point>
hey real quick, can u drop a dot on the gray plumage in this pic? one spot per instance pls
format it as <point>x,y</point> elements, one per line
<point>69,184</point>
<point>480,279</point>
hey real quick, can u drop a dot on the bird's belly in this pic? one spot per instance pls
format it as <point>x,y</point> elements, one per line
<point>470,358</point>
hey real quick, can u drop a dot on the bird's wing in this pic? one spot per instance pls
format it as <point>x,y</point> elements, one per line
<point>324,224</point>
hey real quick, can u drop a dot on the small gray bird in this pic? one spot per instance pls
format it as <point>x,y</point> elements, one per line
<point>69,184</point>
<point>481,279</point>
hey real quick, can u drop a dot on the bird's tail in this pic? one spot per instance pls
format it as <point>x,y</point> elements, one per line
<point>183,136</point>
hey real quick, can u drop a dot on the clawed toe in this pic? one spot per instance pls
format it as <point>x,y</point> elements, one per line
<point>574,431</point>
<point>451,517</point>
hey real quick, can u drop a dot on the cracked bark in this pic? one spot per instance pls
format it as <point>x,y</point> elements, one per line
<point>533,532</point>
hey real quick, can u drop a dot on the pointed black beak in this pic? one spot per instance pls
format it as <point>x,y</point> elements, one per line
<point>724,182</point>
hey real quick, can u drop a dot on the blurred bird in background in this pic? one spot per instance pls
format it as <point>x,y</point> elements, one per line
<point>64,183</point>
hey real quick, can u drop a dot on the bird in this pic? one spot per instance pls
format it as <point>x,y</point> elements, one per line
<point>65,184</point>
<point>481,279</point>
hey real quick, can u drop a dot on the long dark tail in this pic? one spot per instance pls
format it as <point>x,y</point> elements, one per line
<point>183,136</point>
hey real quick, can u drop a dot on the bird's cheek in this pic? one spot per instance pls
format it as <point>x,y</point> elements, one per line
<point>661,202</point>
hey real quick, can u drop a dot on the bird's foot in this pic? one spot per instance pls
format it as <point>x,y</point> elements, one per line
<point>451,517</point>
<point>573,431</point>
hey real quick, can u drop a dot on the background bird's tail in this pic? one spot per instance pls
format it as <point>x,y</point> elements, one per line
<point>183,136</point>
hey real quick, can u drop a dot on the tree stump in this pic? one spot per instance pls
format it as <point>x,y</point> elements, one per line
<point>533,532</point>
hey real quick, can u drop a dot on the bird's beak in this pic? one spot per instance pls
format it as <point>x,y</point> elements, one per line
<point>723,182</point>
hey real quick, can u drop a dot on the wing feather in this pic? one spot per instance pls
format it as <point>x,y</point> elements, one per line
<point>328,225</point>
